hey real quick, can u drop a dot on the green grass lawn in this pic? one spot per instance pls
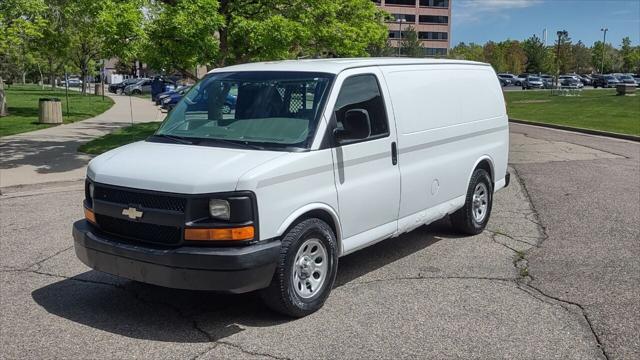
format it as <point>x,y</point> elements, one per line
<point>22,102</point>
<point>593,109</point>
<point>135,132</point>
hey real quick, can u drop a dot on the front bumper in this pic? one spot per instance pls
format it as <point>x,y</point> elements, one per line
<point>227,269</point>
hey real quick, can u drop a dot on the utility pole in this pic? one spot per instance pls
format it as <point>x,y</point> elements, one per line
<point>604,43</point>
<point>400,20</point>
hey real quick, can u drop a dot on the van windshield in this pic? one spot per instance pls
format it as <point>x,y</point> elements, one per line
<point>264,109</point>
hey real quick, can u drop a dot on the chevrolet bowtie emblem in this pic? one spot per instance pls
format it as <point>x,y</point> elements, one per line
<point>132,213</point>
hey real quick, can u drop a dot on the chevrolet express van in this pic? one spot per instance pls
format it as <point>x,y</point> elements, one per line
<point>316,160</point>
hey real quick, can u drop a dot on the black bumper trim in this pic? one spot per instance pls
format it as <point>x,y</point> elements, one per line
<point>507,179</point>
<point>227,269</point>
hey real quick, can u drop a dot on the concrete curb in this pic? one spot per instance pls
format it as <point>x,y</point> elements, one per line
<point>579,130</point>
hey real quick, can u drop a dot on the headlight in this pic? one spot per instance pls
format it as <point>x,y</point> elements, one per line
<point>91,191</point>
<point>219,209</point>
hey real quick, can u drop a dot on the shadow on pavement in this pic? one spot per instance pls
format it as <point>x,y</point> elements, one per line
<point>149,312</point>
<point>50,156</point>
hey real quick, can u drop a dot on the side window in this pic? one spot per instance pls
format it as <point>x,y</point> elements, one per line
<point>363,92</point>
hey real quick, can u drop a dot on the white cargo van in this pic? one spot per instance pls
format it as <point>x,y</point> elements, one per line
<point>266,173</point>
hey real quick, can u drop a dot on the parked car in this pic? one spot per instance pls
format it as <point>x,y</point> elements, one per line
<point>171,100</point>
<point>532,82</point>
<point>627,79</point>
<point>166,94</point>
<point>513,80</point>
<point>72,83</point>
<point>249,201</point>
<point>605,81</point>
<point>119,87</point>
<point>570,81</point>
<point>547,80</point>
<point>142,86</point>
<point>586,79</point>
<point>521,79</point>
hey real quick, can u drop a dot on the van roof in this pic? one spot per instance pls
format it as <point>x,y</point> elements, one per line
<point>337,65</point>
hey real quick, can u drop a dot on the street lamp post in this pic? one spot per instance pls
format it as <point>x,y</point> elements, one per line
<point>400,20</point>
<point>560,34</point>
<point>604,42</point>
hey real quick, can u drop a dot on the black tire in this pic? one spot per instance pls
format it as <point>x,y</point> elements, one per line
<point>136,92</point>
<point>463,220</point>
<point>281,296</point>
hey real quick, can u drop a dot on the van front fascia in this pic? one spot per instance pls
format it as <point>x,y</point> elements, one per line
<point>180,211</point>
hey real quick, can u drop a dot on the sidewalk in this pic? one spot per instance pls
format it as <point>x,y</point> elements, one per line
<point>50,155</point>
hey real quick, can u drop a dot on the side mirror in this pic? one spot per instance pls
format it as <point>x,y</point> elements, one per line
<point>356,126</point>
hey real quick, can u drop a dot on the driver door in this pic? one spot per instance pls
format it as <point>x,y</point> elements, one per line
<point>366,171</point>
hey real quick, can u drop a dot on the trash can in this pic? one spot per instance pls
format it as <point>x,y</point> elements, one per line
<point>99,89</point>
<point>50,111</point>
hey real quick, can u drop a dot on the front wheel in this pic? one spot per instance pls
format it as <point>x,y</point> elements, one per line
<point>306,270</point>
<point>473,217</point>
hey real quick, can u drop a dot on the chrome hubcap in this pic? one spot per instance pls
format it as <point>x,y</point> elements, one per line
<point>310,268</point>
<point>480,202</point>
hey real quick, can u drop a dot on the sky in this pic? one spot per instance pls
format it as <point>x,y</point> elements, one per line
<point>482,20</point>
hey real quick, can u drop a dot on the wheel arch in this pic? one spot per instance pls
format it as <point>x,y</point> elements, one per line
<point>321,211</point>
<point>484,162</point>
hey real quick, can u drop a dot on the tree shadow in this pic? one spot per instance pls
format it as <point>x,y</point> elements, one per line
<point>50,156</point>
<point>149,312</point>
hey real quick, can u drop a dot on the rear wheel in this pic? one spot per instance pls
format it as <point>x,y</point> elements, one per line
<point>136,92</point>
<point>473,217</point>
<point>306,270</point>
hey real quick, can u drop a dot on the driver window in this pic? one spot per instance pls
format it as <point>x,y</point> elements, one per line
<point>363,92</point>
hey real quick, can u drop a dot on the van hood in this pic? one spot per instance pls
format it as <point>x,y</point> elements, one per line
<point>177,168</point>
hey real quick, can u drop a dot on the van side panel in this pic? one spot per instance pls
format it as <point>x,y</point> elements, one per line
<point>448,118</point>
<point>288,184</point>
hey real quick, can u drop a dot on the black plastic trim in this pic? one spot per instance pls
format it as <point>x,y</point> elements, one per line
<point>230,269</point>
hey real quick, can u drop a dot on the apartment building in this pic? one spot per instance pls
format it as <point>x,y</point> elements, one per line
<point>431,19</point>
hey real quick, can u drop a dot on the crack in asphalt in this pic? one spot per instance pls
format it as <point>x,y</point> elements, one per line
<point>37,264</point>
<point>543,229</point>
<point>245,351</point>
<point>134,294</point>
<point>527,135</point>
<point>584,314</point>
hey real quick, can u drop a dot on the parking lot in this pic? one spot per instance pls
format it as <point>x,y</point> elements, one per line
<point>556,275</point>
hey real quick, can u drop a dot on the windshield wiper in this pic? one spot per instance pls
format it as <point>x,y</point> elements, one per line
<point>245,144</point>
<point>176,139</point>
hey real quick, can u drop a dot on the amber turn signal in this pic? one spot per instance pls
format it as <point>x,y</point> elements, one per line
<point>220,234</point>
<point>89,215</point>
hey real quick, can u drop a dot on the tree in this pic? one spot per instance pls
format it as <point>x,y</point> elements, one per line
<point>605,57</point>
<point>515,57</point>
<point>284,29</point>
<point>582,58</point>
<point>20,24</point>
<point>182,34</point>
<point>121,24</point>
<point>471,52</point>
<point>493,54</point>
<point>628,55</point>
<point>536,53</point>
<point>410,45</point>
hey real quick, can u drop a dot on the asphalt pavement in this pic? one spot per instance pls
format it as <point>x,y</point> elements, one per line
<point>554,276</point>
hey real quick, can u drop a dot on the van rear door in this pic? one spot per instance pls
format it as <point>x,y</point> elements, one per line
<point>366,172</point>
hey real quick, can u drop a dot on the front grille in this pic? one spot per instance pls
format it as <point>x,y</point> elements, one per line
<point>158,234</point>
<point>150,201</point>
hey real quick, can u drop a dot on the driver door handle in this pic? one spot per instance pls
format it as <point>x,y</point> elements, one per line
<point>394,153</point>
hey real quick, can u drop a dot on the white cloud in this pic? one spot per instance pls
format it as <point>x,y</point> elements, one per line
<point>474,10</point>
